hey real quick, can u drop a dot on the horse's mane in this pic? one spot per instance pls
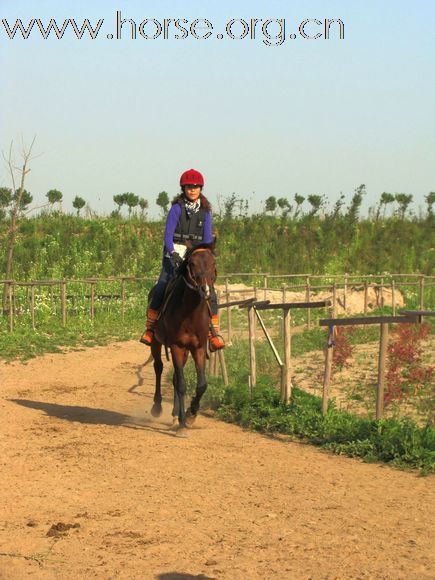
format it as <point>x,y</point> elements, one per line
<point>210,246</point>
<point>182,269</point>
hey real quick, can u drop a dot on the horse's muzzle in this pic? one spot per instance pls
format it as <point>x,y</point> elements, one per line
<point>205,291</point>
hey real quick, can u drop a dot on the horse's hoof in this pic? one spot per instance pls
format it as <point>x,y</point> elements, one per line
<point>190,418</point>
<point>156,410</point>
<point>182,432</point>
<point>174,425</point>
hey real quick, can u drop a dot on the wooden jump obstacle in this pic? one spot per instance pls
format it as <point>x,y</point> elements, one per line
<point>383,321</point>
<point>253,308</point>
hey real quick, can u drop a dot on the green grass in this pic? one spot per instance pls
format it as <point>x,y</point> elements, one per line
<point>398,442</point>
<point>25,343</point>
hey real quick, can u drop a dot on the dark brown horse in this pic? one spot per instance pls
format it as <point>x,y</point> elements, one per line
<point>183,326</point>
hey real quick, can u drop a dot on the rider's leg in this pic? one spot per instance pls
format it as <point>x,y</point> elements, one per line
<point>216,342</point>
<point>153,310</point>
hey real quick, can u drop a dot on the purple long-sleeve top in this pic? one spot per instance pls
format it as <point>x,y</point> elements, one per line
<point>172,221</point>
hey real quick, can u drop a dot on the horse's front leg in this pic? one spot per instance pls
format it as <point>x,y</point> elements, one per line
<point>176,407</point>
<point>179,358</point>
<point>199,356</point>
<point>156,350</point>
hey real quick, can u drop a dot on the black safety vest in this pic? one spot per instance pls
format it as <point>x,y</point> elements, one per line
<point>190,228</point>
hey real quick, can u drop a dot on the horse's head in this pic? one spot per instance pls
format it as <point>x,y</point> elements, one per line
<point>200,269</point>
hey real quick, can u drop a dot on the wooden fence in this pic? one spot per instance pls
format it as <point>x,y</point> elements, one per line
<point>59,290</point>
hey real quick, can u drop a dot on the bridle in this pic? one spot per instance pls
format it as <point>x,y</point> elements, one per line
<point>190,280</point>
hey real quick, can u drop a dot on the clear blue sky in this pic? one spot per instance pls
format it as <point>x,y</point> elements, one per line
<point>309,116</point>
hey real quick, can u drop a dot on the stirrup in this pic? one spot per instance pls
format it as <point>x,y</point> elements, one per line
<point>216,342</point>
<point>147,337</point>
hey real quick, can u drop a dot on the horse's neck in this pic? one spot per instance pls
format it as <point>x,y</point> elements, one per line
<point>185,300</point>
<point>192,301</point>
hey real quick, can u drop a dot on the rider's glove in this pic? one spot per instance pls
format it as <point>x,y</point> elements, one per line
<point>176,260</point>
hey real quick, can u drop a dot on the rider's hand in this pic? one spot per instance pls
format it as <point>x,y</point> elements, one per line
<point>176,260</point>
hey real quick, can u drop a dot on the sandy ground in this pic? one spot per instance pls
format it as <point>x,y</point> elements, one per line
<point>354,301</point>
<point>79,448</point>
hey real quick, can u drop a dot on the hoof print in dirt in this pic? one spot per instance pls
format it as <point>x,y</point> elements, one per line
<point>60,529</point>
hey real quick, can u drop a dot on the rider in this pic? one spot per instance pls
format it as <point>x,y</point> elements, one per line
<point>188,219</point>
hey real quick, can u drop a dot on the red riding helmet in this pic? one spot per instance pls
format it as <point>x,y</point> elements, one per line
<point>191,177</point>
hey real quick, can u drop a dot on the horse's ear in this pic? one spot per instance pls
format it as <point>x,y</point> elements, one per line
<point>213,244</point>
<point>189,245</point>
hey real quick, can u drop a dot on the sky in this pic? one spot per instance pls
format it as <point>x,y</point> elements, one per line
<point>313,116</point>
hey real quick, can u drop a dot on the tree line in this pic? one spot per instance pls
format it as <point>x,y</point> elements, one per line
<point>232,207</point>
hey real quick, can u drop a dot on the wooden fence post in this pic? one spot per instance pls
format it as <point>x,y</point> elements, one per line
<point>345,293</point>
<point>212,364</point>
<point>252,357</point>
<point>422,293</point>
<point>14,299</point>
<point>307,299</point>
<point>11,308</point>
<point>122,298</point>
<point>393,297</point>
<point>52,300</point>
<point>63,300</point>
<point>383,343</point>
<point>229,326</point>
<point>32,305</point>
<point>334,300</point>
<point>366,296</point>
<point>328,370</point>
<point>223,366</point>
<point>286,376</point>
<point>92,301</point>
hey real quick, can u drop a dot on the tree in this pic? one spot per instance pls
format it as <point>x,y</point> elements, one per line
<point>386,199</point>
<point>284,205</point>
<point>131,200</point>
<point>430,200</point>
<point>5,196</point>
<point>54,196</point>
<point>25,200</point>
<point>270,204</point>
<point>143,204</point>
<point>355,204</point>
<point>5,200</point>
<point>299,199</point>
<point>120,201</point>
<point>16,173</point>
<point>78,204</point>
<point>163,201</point>
<point>337,206</point>
<point>316,202</point>
<point>403,200</point>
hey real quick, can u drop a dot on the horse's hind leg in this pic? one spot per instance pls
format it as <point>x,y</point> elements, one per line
<point>156,350</point>
<point>199,356</point>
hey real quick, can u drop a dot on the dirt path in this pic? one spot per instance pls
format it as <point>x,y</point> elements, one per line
<point>78,447</point>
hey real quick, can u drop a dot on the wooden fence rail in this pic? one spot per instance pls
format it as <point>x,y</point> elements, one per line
<point>309,287</point>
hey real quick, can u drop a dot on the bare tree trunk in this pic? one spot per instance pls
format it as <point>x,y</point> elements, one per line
<point>22,172</point>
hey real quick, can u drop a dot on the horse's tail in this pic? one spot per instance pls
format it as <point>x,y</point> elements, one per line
<point>149,359</point>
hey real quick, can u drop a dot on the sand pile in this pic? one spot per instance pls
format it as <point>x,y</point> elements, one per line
<point>354,297</point>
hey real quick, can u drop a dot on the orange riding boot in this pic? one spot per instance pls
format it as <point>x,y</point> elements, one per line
<point>215,341</point>
<point>148,335</point>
